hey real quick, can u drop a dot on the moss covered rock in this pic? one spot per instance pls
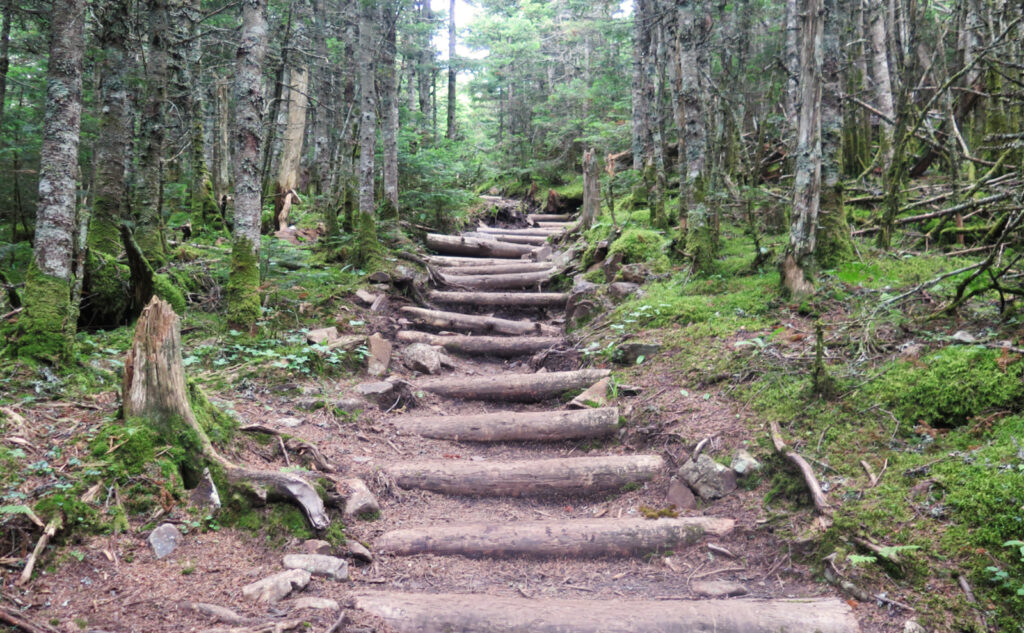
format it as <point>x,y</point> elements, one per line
<point>642,246</point>
<point>105,291</point>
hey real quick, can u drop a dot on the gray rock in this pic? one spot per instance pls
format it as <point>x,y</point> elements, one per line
<point>596,394</point>
<point>316,546</point>
<point>205,495</point>
<point>321,335</point>
<point>380,355</point>
<point>635,273</point>
<point>582,312</point>
<point>366,297</point>
<point>165,539</point>
<point>680,496</point>
<point>708,478</point>
<point>276,587</point>
<point>913,626</point>
<point>312,602</point>
<point>217,612</point>
<point>359,552</point>
<point>290,423</point>
<point>743,463</point>
<point>718,588</point>
<point>422,358</point>
<point>629,353</point>
<point>318,565</point>
<point>351,405</point>
<point>359,501</point>
<point>611,265</point>
<point>380,277</point>
<point>623,289</point>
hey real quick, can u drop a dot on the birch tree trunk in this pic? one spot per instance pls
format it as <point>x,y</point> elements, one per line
<point>389,108</point>
<point>5,53</point>
<point>881,79</point>
<point>295,128</point>
<point>221,143</point>
<point>641,106</point>
<point>791,57</point>
<point>47,327</point>
<point>591,190</point>
<point>366,227</point>
<point>425,69</point>
<point>451,71</point>
<point>799,254</point>
<point>244,280</point>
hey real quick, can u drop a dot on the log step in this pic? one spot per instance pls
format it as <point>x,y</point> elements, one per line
<point>527,478</point>
<point>530,231</point>
<point>554,225</point>
<point>478,613</point>
<point>548,217</point>
<point>514,426</point>
<point>451,260</point>
<point>586,538</point>
<point>521,299</point>
<point>476,246</point>
<point>532,240</point>
<point>499,282</point>
<point>501,346</point>
<point>512,387</point>
<point>495,269</point>
<point>472,323</point>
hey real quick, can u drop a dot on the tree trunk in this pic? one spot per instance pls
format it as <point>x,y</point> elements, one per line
<point>5,53</point>
<point>513,426</point>
<point>366,218</point>
<point>244,280</point>
<point>481,324</point>
<point>221,144</point>
<point>642,24</point>
<point>577,476</point>
<point>513,387</point>
<point>499,282</point>
<point>425,70</point>
<point>791,59</point>
<point>451,71</point>
<point>154,390</point>
<point>476,246</point>
<point>389,108</point>
<point>579,538</point>
<point>882,79</point>
<point>798,258</point>
<point>500,346</point>
<point>700,224</point>
<point>591,191</point>
<point>47,328</point>
<point>496,269</point>
<point>295,128</point>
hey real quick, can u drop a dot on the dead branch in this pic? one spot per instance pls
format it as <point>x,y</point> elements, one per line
<point>835,577</point>
<point>820,502</point>
<point>55,524</point>
<point>21,623</point>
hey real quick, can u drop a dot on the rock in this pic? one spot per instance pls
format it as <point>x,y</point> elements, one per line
<point>312,602</point>
<point>276,587</point>
<point>318,565</point>
<point>718,588</point>
<point>290,423</point>
<point>582,312</point>
<point>316,546</point>
<point>359,501</point>
<point>963,336</point>
<point>913,626</point>
<point>321,335</point>
<point>596,394</point>
<point>635,273</point>
<point>623,289</point>
<point>351,405</point>
<point>422,358</point>
<point>630,353</point>
<point>402,274</point>
<point>708,478</point>
<point>366,297</point>
<point>388,393</point>
<point>380,277</point>
<point>205,495</point>
<point>380,355</point>
<point>541,254</point>
<point>359,552</point>
<point>743,463</point>
<point>611,265</point>
<point>680,496</point>
<point>217,612</point>
<point>164,539</point>
<point>348,343</point>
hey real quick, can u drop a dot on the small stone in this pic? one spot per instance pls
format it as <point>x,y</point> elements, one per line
<point>374,390</point>
<point>595,395</point>
<point>611,265</point>
<point>348,343</point>
<point>366,297</point>
<point>290,423</point>
<point>358,499</point>
<point>350,405</point>
<point>743,463</point>
<point>205,494</point>
<point>164,539</point>
<point>718,588</point>
<point>316,546</point>
<point>217,612</point>
<point>913,626</point>
<point>635,273</point>
<point>380,277</point>
<point>963,336</point>
<point>276,587</point>
<point>312,602</point>
<point>708,478</point>
<point>422,358</point>
<point>680,496</point>
<point>630,353</point>
<point>318,565</point>
<point>380,355</point>
<point>359,552</point>
<point>321,335</point>
<point>541,254</point>
<point>623,289</point>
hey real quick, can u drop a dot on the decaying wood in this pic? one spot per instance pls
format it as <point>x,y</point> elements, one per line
<point>273,626</point>
<point>820,502</point>
<point>454,613</point>
<point>499,282</point>
<point>154,390</point>
<point>495,269</point>
<point>21,623</point>
<point>513,387</point>
<point>569,475</point>
<point>522,299</point>
<point>514,425</point>
<point>476,246</point>
<point>296,444</point>
<point>482,324</point>
<point>55,524</point>
<point>584,538</point>
<point>501,346</point>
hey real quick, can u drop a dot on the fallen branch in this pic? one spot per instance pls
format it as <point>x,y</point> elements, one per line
<point>15,619</point>
<point>55,524</point>
<point>835,577</point>
<point>296,444</point>
<point>820,502</point>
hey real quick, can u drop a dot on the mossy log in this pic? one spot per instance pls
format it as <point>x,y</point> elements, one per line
<point>154,390</point>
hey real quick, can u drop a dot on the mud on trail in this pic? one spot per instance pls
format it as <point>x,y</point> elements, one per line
<point>502,506</point>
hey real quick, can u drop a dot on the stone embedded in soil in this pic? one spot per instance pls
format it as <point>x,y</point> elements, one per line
<point>635,273</point>
<point>744,463</point>
<point>276,587</point>
<point>380,355</point>
<point>205,495</point>
<point>680,496</point>
<point>912,626</point>
<point>623,289</point>
<point>630,353</point>
<point>358,499</point>
<point>217,612</point>
<point>351,405</point>
<point>708,478</point>
<point>422,358</point>
<point>289,422</point>
<point>318,565</point>
<point>164,539</point>
<point>359,552</point>
<point>312,602</point>
<point>380,277</point>
<point>718,588</point>
<point>316,546</point>
<point>366,297</point>
<point>322,335</point>
<point>595,395</point>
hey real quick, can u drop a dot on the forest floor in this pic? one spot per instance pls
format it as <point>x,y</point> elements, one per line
<point>732,359</point>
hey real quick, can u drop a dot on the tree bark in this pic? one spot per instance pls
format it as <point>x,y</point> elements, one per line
<point>496,269</point>
<point>882,78</point>
<point>514,387</point>
<point>577,476</point>
<point>451,71</point>
<point>530,240</point>
<point>641,130</point>
<point>366,222</point>
<point>47,327</point>
<point>500,346</point>
<point>519,299</point>
<point>244,280</point>
<point>591,190</point>
<point>471,323</point>
<point>499,282</point>
<point>459,613</point>
<point>5,53</point>
<point>586,538</point>
<point>221,143</point>
<point>791,59</point>
<point>513,426</point>
<point>298,101</point>
<point>389,108</point>
<point>476,246</point>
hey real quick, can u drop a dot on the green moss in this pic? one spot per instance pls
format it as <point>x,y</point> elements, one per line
<point>132,444</point>
<point>367,249</point>
<point>641,246</point>
<point>164,288</point>
<point>335,533</point>
<point>46,330</point>
<point>834,245</point>
<point>700,239</point>
<point>77,514</point>
<point>219,426</point>
<point>105,289</point>
<point>104,236</point>
<point>243,286</point>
